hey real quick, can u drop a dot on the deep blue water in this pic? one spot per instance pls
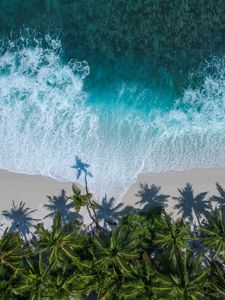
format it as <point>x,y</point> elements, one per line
<point>121,115</point>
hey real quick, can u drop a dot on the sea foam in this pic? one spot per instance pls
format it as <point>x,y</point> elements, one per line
<point>47,117</point>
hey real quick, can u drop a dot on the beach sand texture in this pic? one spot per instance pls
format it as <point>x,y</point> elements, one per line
<point>33,189</point>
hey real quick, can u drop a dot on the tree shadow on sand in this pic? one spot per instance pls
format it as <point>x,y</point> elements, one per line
<point>189,203</point>
<point>82,168</point>
<point>107,212</point>
<point>129,209</point>
<point>62,205</point>
<point>20,218</point>
<point>220,200</point>
<point>150,197</point>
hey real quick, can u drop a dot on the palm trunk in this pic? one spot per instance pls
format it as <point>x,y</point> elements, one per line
<point>90,205</point>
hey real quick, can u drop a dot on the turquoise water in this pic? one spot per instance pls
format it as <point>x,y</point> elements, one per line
<point>52,110</point>
<point>128,87</point>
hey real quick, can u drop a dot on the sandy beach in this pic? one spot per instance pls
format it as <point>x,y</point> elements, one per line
<point>202,180</point>
<point>34,189</point>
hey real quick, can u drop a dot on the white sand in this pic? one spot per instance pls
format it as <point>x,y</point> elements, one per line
<point>33,189</point>
<point>202,180</point>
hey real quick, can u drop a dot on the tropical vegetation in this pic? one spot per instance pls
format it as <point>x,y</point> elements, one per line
<point>132,254</point>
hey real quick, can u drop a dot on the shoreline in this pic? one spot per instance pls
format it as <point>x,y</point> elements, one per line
<point>34,189</point>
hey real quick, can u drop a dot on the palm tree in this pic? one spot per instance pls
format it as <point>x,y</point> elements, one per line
<point>66,282</point>
<point>83,200</point>
<point>62,205</point>
<point>187,203</point>
<point>150,197</point>
<point>221,198</point>
<point>109,285</point>
<point>115,251</point>
<point>20,217</point>
<point>181,277</point>
<point>213,234</point>
<point>139,285</point>
<point>77,198</point>
<point>114,255</point>
<point>12,250</point>
<point>61,242</point>
<point>217,279</point>
<point>108,212</point>
<point>142,227</point>
<point>34,280</point>
<point>172,236</point>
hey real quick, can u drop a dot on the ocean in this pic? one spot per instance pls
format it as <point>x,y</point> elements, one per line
<point>120,114</point>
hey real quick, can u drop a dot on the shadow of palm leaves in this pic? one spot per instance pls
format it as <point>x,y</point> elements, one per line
<point>82,168</point>
<point>20,218</point>
<point>107,212</point>
<point>128,209</point>
<point>189,203</point>
<point>62,205</point>
<point>220,199</point>
<point>150,197</point>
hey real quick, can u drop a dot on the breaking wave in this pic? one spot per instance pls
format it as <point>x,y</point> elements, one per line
<point>48,116</point>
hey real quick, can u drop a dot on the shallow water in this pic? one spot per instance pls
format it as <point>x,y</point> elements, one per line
<point>121,116</point>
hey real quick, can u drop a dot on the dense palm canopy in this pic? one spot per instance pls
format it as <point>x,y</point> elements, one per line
<point>12,250</point>
<point>116,251</point>
<point>145,255</point>
<point>139,283</point>
<point>60,242</point>
<point>182,277</point>
<point>213,234</point>
<point>172,236</point>
<point>218,283</point>
<point>34,279</point>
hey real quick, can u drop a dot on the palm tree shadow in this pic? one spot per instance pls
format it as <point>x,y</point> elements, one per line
<point>107,212</point>
<point>62,205</point>
<point>20,218</point>
<point>220,200</point>
<point>129,209</point>
<point>189,203</point>
<point>82,168</point>
<point>150,197</point>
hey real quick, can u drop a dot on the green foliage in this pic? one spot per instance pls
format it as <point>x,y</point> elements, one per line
<point>147,255</point>
<point>115,251</point>
<point>139,283</point>
<point>214,234</point>
<point>218,279</point>
<point>61,242</point>
<point>141,229</point>
<point>172,236</point>
<point>34,279</point>
<point>12,250</point>
<point>78,199</point>
<point>182,277</point>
